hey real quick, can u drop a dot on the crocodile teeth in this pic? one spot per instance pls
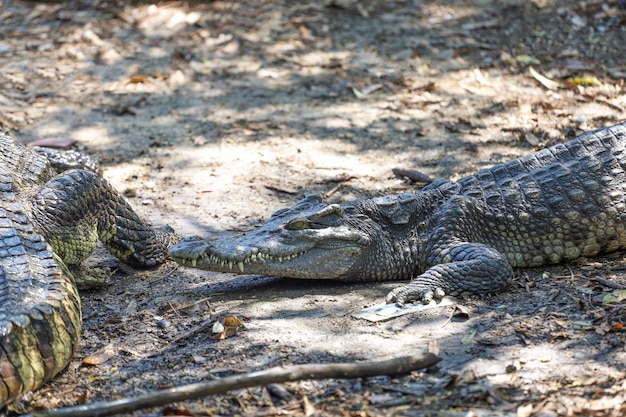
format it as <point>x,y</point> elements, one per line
<point>258,257</point>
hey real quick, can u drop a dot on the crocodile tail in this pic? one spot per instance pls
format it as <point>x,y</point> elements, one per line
<point>38,343</point>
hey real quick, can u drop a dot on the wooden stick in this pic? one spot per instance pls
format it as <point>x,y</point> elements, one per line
<point>412,174</point>
<point>279,374</point>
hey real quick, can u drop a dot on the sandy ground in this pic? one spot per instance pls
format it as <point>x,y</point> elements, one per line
<point>209,116</point>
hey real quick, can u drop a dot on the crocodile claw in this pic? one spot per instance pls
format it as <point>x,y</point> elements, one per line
<point>414,292</point>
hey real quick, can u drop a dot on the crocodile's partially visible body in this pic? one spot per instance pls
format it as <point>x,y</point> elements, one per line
<point>49,223</point>
<point>555,205</point>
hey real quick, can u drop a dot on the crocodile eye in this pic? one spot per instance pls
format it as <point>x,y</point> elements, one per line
<point>298,224</point>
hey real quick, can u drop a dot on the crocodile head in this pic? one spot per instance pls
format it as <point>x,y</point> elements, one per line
<point>310,240</point>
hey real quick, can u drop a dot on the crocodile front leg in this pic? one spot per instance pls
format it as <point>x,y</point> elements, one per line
<point>465,268</point>
<point>78,207</point>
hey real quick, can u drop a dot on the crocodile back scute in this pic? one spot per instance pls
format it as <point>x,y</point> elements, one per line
<point>16,158</point>
<point>559,203</point>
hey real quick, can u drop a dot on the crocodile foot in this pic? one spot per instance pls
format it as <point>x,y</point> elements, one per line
<point>415,291</point>
<point>89,278</point>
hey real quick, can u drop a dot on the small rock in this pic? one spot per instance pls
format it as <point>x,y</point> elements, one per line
<point>162,323</point>
<point>217,328</point>
<point>89,35</point>
<point>176,79</point>
<point>108,56</point>
<point>45,47</point>
<point>198,358</point>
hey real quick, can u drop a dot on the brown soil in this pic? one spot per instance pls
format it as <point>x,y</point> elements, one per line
<point>211,115</point>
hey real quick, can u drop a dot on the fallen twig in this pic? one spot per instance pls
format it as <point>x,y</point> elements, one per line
<point>277,374</point>
<point>413,175</point>
<point>608,283</point>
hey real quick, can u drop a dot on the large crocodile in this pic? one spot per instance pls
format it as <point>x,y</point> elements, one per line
<point>466,236</point>
<point>49,223</point>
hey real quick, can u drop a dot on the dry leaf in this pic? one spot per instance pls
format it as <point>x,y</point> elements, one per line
<point>53,142</point>
<point>562,323</point>
<point>138,79</point>
<point>615,297</point>
<point>306,35</point>
<point>429,86</point>
<point>357,93</point>
<point>308,407</point>
<point>468,337</point>
<point>231,48</point>
<point>371,88</point>
<point>232,321</point>
<point>531,138</point>
<point>461,312</point>
<point>342,177</point>
<point>228,332</point>
<point>177,411</point>
<point>100,356</point>
<point>545,81</point>
<point>585,81</point>
<point>222,331</point>
<point>527,59</point>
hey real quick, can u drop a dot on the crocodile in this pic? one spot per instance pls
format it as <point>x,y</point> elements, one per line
<point>451,237</point>
<point>52,215</point>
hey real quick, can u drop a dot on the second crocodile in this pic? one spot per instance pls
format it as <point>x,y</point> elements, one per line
<point>49,223</point>
<point>555,205</point>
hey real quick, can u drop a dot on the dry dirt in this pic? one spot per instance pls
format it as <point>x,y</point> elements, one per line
<point>209,116</point>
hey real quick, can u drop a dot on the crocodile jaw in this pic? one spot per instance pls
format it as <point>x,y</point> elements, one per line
<point>323,256</point>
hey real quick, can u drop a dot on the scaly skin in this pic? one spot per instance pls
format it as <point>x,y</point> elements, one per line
<point>459,237</point>
<point>49,224</point>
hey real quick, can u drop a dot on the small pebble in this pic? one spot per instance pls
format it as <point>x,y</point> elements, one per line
<point>162,323</point>
<point>217,327</point>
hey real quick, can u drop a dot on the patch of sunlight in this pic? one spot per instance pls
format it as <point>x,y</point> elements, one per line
<point>242,65</point>
<point>94,133</point>
<point>157,52</point>
<point>162,21</point>
<point>60,127</point>
<point>536,362</point>
<point>322,58</point>
<point>280,47</point>
<point>438,12</point>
